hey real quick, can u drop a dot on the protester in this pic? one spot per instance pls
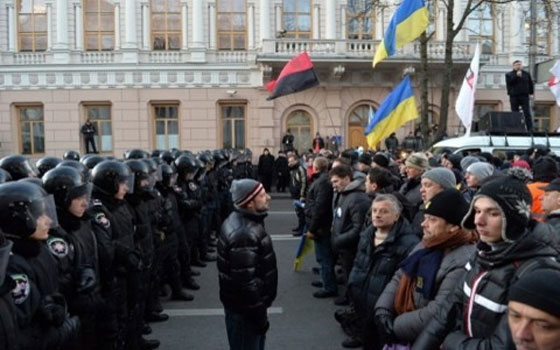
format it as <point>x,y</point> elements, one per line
<point>509,242</point>
<point>475,175</point>
<point>247,266</point>
<point>520,87</point>
<point>550,202</point>
<point>288,141</point>
<point>298,190</point>
<point>265,170</point>
<point>429,274</point>
<point>545,170</point>
<point>364,163</point>
<point>415,165</point>
<point>318,143</point>
<point>282,172</point>
<point>392,143</point>
<point>381,248</point>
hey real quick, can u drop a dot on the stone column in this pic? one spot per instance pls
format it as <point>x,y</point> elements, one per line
<point>11,27</point>
<point>184,26</point>
<point>316,21</point>
<point>516,30</point>
<point>457,13</point>
<point>555,48</point>
<point>251,26</point>
<point>212,20</point>
<point>79,30</point>
<point>49,26</point>
<point>379,23</point>
<point>330,19</point>
<point>61,25</point>
<point>130,35</point>
<point>117,25</point>
<point>146,26</point>
<point>440,25</point>
<point>343,22</point>
<point>198,24</point>
<point>278,15</point>
<point>264,19</point>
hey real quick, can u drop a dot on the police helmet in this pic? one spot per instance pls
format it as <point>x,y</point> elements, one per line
<point>91,161</point>
<point>65,184</point>
<point>5,176</point>
<point>71,155</point>
<point>167,157</point>
<point>46,163</point>
<point>186,164</point>
<point>18,166</point>
<point>108,175</point>
<point>141,171</point>
<point>135,154</point>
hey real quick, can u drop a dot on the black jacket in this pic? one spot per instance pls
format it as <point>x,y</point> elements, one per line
<point>88,130</point>
<point>411,190</point>
<point>318,211</point>
<point>374,266</point>
<point>474,316</point>
<point>266,165</point>
<point>9,330</point>
<point>298,181</point>
<point>519,86</point>
<point>247,265</point>
<point>348,217</point>
<point>281,166</point>
<point>553,219</point>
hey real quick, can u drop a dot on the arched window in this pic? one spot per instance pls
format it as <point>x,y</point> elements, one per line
<point>299,122</point>
<point>357,122</point>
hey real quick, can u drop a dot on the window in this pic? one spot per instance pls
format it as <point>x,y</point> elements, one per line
<point>357,123</point>
<point>233,126</point>
<point>32,25</point>
<point>480,26</point>
<point>166,24</point>
<point>31,129</point>
<point>542,117</point>
<point>100,117</point>
<point>360,19</point>
<point>299,123</point>
<point>544,28</point>
<point>166,120</point>
<point>232,24</point>
<point>99,25</point>
<point>296,19</point>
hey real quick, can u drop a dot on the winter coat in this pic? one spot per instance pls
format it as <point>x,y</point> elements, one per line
<point>519,86</point>
<point>352,206</point>
<point>318,211</point>
<point>411,190</point>
<point>88,130</point>
<point>318,143</point>
<point>474,316</point>
<point>281,166</point>
<point>8,321</point>
<point>298,181</point>
<point>553,219</point>
<point>266,165</point>
<point>409,325</point>
<point>246,264</point>
<point>392,143</point>
<point>375,266</point>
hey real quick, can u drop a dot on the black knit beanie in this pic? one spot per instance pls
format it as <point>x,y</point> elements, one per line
<point>513,198</point>
<point>545,169</point>
<point>449,205</point>
<point>539,289</point>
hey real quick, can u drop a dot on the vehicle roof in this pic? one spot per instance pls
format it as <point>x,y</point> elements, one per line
<point>499,141</point>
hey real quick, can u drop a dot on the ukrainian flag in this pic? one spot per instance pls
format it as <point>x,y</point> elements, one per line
<point>397,108</point>
<point>407,23</point>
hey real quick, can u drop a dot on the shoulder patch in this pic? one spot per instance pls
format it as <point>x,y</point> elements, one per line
<point>193,186</point>
<point>102,220</point>
<point>96,203</point>
<point>58,247</point>
<point>22,288</point>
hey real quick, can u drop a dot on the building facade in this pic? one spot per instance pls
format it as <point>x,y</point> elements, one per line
<point>190,74</point>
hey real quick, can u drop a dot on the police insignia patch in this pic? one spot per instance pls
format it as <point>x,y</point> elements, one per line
<point>102,220</point>
<point>58,246</point>
<point>193,186</point>
<point>22,289</point>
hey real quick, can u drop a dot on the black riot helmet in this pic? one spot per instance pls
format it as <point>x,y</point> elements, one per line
<point>168,175</point>
<point>167,157</point>
<point>21,205</point>
<point>46,163</point>
<point>109,174</point>
<point>135,154</point>
<point>186,164</point>
<point>18,166</point>
<point>207,159</point>
<point>5,176</point>
<point>155,170</point>
<point>155,153</point>
<point>219,156</point>
<point>91,161</point>
<point>76,165</point>
<point>65,184</point>
<point>141,171</point>
<point>71,155</point>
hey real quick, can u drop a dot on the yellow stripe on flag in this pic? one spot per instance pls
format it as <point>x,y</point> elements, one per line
<point>405,111</point>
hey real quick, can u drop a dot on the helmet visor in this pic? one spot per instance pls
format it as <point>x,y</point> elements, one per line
<point>79,191</point>
<point>45,206</point>
<point>128,181</point>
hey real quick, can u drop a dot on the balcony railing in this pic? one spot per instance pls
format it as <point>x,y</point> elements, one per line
<point>96,57</point>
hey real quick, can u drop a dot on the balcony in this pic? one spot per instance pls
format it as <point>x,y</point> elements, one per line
<point>354,50</point>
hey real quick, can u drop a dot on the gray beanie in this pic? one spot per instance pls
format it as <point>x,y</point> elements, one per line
<point>481,170</point>
<point>442,176</point>
<point>244,190</point>
<point>467,161</point>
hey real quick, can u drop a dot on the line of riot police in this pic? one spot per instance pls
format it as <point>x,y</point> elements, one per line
<point>88,245</point>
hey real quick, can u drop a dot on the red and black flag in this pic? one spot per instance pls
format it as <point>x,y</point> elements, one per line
<point>296,76</point>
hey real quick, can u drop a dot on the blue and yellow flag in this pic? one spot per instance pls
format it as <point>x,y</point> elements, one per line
<point>305,247</point>
<point>397,108</point>
<point>407,23</point>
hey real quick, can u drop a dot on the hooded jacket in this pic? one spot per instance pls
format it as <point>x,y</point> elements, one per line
<point>318,211</point>
<point>247,264</point>
<point>374,266</point>
<point>474,317</point>
<point>348,217</point>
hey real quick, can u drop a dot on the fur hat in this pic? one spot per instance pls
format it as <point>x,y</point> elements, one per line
<point>417,160</point>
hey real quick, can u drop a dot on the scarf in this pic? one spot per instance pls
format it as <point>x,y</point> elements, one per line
<point>420,268</point>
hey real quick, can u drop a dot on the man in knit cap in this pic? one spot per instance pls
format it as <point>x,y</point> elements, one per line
<point>475,175</point>
<point>415,165</point>
<point>247,266</point>
<point>550,202</point>
<point>534,310</point>
<point>545,169</point>
<point>433,182</point>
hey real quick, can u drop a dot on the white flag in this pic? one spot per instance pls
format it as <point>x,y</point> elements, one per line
<point>464,105</point>
<point>554,82</point>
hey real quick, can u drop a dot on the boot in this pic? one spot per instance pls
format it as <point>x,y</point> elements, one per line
<point>209,258</point>
<point>190,283</point>
<point>182,295</point>
<point>148,344</point>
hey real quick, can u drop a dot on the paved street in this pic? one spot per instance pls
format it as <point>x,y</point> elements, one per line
<point>298,321</point>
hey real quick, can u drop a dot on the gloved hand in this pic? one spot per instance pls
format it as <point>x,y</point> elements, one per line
<point>85,280</point>
<point>384,323</point>
<point>53,309</point>
<point>70,329</point>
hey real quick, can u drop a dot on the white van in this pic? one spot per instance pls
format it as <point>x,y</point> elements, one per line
<point>492,143</point>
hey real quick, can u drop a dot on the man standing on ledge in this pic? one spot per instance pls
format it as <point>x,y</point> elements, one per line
<point>247,267</point>
<point>89,130</point>
<point>519,87</point>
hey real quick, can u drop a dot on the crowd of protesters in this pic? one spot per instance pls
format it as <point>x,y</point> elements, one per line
<point>435,251</point>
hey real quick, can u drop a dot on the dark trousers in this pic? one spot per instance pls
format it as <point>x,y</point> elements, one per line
<point>266,180</point>
<point>281,183</point>
<point>240,334</point>
<point>90,140</point>
<point>523,102</point>
<point>325,259</point>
